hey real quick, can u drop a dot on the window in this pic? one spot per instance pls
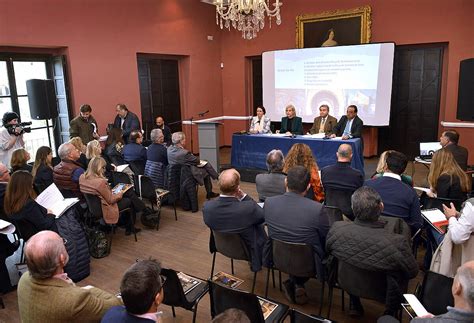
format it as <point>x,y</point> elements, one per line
<point>14,72</point>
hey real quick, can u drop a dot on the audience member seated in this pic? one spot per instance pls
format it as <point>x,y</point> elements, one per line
<point>4,179</point>
<point>114,146</point>
<point>383,163</point>
<point>94,182</point>
<point>178,155</point>
<point>463,294</point>
<point>126,120</point>
<point>46,294</point>
<point>77,142</point>
<point>7,249</point>
<point>160,124</point>
<point>446,178</point>
<point>231,315</point>
<point>43,168</point>
<point>272,183</point>
<point>157,158</point>
<point>293,218</point>
<point>66,174</point>
<point>400,200</point>
<point>341,180</point>
<point>260,123</point>
<point>19,161</point>
<point>449,140</point>
<point>291,124</point>
<point>134,152</point>
<point>366,245</point>
<point>93,149</point>
<point>461,224</point>
<point>236,212</point>
<point>22,209</point>
<point>301,155</point>
<point>142,293</point>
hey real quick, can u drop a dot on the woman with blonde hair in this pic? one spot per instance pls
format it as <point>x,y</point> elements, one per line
<point>382,164</point>
<point>43,168</point>
<point>77,142</point>
<point>94,149</point>
<point>291,124</point>
<point>301,155</point>
<point>446,178</point>
<point>19,160</point>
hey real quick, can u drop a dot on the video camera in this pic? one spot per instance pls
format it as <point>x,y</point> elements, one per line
<point>23,126</point>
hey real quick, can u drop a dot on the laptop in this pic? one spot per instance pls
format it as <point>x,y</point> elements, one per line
<point>427,149</point>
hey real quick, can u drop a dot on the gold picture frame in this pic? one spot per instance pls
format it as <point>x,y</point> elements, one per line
<point>349,27</point>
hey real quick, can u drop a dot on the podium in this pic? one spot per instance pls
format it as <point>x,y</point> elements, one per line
<point>209,142</point>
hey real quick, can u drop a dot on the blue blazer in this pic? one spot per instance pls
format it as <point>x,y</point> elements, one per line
<point>297,125</point>
<point>131,123</point>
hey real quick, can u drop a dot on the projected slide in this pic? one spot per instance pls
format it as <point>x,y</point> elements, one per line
<point>336,76</point>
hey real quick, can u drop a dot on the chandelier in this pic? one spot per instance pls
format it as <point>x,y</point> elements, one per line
<point>247,16</point>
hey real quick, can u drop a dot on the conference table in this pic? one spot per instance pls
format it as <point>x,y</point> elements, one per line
<point>250,151</point>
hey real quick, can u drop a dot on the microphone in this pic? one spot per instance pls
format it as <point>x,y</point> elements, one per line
<point>201,114</point>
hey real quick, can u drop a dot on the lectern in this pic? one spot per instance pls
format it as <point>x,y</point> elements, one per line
<point>209,142</point>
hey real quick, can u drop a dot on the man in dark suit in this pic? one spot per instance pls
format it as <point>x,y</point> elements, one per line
<point>236,212</point>
<point>160,124</point>
<point>177,154</point>
<point>293,218</point>
<point>341,180</point>
<point>399,199</point>
<point>324,123</point>
<point>272,183</point>
<point>449,140</point>
<point>126,120</point>
<point>349,126</point>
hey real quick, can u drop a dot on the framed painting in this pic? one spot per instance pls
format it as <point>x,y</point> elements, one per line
<point>332,28</point>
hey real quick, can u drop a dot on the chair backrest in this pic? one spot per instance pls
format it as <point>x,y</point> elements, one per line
<point>438,202</point>
<point>24,228</point>
<point>296,259</point>
<point>340,199</point>
<point>396,225</point>
<point>156,171</point>
<point>137,166</point>
<point>362,283</point>
<point>435,292</point>
<point>94,205</point>
<point>174,294</point>
<point>223,298</point>
<point>300,317</point>
<point>120,177</point>
<point>231,245</point>
<point>334,214</point>
<point>146,188</point>
<point>173,177</point>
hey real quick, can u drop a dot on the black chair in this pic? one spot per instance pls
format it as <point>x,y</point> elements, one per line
<point>172,182</point>
<point>147,191</point>
<point>223,298</point>
<point>435,292</point>
<point>120,177</point>
<point>232,246</point>
<point>296,259</point>
<point>24,230</point>
<point>95,208</point>
<point>334,214</point>
<point>340,199</point>
<point>175,296</point>
<point>300,317</point>
<point>137,166</point>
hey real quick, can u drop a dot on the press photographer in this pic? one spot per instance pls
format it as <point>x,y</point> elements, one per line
<point>11,136</point>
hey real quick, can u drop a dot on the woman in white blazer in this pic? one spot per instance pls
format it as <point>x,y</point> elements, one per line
<point>260,123</point>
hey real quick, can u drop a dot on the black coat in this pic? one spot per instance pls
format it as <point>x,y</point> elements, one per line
<point>131,123</point>
<point>33,218</point>
<point>44,176</point>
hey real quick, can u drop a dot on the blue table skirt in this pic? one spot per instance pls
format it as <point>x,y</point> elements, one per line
<point>250,151</point>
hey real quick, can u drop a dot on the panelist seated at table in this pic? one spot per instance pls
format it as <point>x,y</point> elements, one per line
<point>324,123</point>
<point>291,124</point>
<point>260,123</point>
<point>349,126</point>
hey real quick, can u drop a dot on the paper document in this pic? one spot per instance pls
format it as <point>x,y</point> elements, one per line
<point>6,227</point>
<point>436,219</point>
<point>336,138</point>
<point>121,168</point>
<point>423,189</point>
<point>316,135</point>
<point>415,304</point>
<point>281,135</point>
<point>52,199</point>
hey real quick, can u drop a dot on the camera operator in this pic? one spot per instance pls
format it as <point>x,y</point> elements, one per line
<point>11,137</point>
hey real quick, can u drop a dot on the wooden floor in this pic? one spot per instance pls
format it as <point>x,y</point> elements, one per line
<point>183,245</point>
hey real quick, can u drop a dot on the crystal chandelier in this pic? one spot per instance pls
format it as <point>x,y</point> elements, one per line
<point>247,16</point>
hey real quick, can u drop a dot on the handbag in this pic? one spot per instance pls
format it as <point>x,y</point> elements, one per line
<point>99,245</point>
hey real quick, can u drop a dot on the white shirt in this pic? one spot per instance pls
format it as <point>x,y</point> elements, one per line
<point>462,228</point>
<point>392,175</point>
<point>5,153</point>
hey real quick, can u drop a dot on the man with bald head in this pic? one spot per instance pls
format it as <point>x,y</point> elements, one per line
<point>236,212</point>
<point>341,180</point>
<point>46,294</point>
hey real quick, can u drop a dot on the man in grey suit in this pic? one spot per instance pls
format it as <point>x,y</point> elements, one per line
<point>293,218</point>
<point>272,183</point>
<point>236,212</point>
<point>177,154</point>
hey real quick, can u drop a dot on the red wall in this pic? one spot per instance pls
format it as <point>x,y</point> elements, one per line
<point>102,37</point>
<point>401,21</point>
